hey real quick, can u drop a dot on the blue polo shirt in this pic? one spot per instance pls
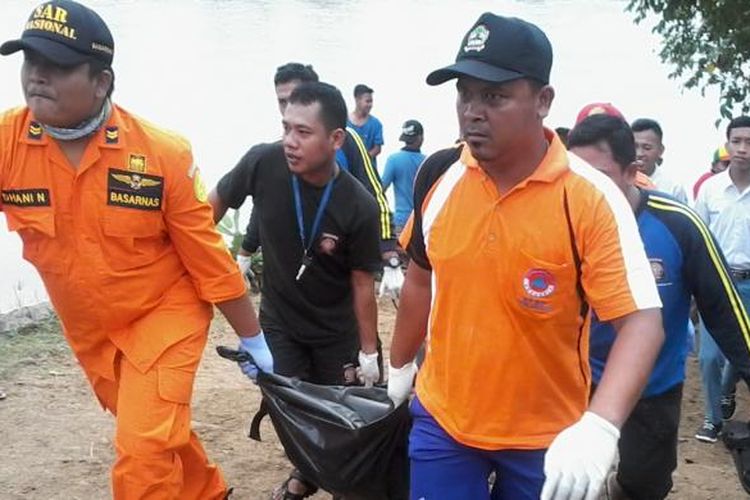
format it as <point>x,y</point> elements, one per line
<point>400,170</point>
<point>371,132</point>
<point>685,260</point>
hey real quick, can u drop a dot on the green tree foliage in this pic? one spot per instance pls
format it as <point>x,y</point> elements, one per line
<point>708,44</point>
<point>230,226</point>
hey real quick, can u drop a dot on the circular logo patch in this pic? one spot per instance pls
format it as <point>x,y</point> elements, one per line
<point>539,283</point>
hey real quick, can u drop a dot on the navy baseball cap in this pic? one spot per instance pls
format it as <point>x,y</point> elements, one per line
<point>65,32</point>
<point>500,49</point>
<point>410,131</point>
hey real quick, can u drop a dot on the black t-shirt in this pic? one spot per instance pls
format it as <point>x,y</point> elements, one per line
<point>318,307</point>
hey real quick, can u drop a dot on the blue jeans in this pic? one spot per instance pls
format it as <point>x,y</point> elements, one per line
<point>444,469</point>
<point>718,376</point>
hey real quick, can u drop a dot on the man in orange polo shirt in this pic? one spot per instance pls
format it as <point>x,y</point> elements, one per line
<point>113,215</point>
<point>512,242</point>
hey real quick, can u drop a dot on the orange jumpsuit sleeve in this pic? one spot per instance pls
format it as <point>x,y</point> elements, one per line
<point>189,220</point>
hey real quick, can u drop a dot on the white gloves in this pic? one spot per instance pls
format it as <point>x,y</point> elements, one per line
<point>579,459</point>
<point>369,371</point>
<point>400,381</point>
<point>393,280</point>
<point>262,357</point>
<point>244,262</point>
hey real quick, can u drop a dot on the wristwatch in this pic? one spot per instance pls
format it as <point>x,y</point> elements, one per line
<point>394,261</point>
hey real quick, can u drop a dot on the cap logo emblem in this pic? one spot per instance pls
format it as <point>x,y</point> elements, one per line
<point>53,19</point>
<point>477,39</point>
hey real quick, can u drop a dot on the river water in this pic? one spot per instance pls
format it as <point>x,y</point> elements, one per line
<point>204,68</point>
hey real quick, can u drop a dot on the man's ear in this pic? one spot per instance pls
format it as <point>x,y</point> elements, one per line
<point>630,172</point>
<point>104,82</point>
<point>338,136</point>
<point>544,101</point>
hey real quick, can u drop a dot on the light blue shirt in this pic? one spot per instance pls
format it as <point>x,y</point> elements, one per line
<point>371,132</point>
<point>400,170</point>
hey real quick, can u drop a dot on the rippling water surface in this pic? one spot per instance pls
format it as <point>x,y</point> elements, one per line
<point>205,67</point>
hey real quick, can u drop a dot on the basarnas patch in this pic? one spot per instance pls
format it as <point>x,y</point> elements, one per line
<point>131,190</point>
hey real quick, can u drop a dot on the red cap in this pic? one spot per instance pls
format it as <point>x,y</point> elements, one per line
<point>596,108</point>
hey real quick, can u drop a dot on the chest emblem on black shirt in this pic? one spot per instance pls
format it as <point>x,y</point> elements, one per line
<point>328,243</point>
<point>138,191</point>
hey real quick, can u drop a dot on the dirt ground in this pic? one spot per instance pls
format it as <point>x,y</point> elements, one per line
<point>57,442</point>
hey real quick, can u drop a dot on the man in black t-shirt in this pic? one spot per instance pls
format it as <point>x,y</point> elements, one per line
<point>320,246</point>
<point>352,157</point>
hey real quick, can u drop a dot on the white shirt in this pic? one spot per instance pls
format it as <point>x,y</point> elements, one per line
<point>665,184</point>
<point>726,211</point>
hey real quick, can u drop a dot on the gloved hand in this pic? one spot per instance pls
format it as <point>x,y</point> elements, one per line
<point>579,459</point>
<point>400,381</point>
<point>369,371</point>
<point>392,281</point>
<point>260,352</point>
<point>244,261</point>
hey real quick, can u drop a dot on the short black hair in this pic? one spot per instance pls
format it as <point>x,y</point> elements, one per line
<point>610,129</point>
<point>642,124</point>
<point>332,105</point>
<point>562,133</point>
<point>361,88</point>
<point>292,71</point>
<point>739,122</point>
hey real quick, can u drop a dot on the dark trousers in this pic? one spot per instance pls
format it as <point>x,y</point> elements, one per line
<point>648,446</point>
<point>324,364</point>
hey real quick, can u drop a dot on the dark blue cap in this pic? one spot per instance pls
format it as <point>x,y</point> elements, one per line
<point>499,49</point>
<point>65,32</point>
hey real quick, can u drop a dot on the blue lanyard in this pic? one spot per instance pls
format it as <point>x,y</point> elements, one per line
<point>306,245</point>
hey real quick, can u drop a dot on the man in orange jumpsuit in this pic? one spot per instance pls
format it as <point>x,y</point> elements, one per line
<point>113,214</point>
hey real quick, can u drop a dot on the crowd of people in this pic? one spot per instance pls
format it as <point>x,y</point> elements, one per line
<point>549,274</point>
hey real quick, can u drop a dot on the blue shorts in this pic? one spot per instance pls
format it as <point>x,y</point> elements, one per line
<point>442,468</point>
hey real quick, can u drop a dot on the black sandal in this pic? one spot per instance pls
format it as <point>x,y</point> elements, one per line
<point>283,493</point>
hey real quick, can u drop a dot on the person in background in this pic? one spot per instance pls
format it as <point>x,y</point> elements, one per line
<point>352,157</point>
<point>724,205</point>
<point>512,241</point>
<point>112,212</point>
<point>562,133</point>
<point>719,163</point>
<point>649,147</point>
<point>364,123</point>
<point>686,263</point>
<point>401,169</point>
<point>320,238</point>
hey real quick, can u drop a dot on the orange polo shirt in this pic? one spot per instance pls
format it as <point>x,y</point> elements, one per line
<point>125,243</point>
<point>507,350</point>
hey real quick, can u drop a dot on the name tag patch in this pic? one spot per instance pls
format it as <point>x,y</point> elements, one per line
<point>139,191</point>
<point>26,197</point>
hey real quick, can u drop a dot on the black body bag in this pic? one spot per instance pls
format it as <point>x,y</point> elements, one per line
<point>736,436</point>
<point>348,440</point>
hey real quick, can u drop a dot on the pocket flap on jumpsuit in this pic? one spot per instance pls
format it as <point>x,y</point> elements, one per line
<point>39,220</point>
<point>175,384</point>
